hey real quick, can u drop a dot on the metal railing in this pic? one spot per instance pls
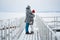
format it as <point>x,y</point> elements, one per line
<point>46,32</point>
<point>8,28</point>
<point>53,22</point>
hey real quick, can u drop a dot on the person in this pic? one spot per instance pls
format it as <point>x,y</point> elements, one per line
<point>29,19</point>
<point>32,21</point>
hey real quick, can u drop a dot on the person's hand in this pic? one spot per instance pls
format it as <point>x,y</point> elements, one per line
<point>31,23</point>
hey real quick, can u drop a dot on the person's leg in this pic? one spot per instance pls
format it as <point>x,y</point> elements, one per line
<point>32,29</point>
<point>27,26</point>
<point>32,26</point>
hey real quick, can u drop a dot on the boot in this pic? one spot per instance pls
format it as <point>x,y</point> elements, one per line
<point>32,32</point>
<point>27,33</point>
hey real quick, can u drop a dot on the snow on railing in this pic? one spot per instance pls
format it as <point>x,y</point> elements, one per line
<point>45,31</point>
<point>10,29</point>
<point>52,21</point>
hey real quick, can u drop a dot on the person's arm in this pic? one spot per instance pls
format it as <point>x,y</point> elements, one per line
<point>29,13</point>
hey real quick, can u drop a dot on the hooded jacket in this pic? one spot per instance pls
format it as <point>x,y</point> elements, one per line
<point>29,15</point>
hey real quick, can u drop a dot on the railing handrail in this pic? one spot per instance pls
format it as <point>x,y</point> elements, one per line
<point>52,21</point>
<point>55,20</point>
<point>19,33</point>
<point>7,27</point>
<point>51,17</point>
<point>47,26</point>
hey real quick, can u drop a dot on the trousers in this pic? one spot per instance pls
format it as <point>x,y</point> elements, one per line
<point>27,26</point>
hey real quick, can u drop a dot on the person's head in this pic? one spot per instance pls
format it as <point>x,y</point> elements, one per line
<point>33,11</point>
<point>28,7</point>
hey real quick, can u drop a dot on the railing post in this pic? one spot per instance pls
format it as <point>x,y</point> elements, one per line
<point>1,21</point>
<point>48,34</point>
<point>8,29</point>
<point>5,33</point>
<point>1,35</point>
<point>51,36</point>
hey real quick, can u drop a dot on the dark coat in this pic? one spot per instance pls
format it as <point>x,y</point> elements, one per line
<point>29,16</point>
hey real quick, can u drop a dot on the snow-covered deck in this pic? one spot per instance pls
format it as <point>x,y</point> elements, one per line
<point>41,31</point>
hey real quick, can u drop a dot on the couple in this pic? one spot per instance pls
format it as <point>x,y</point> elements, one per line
<point>29,19</point>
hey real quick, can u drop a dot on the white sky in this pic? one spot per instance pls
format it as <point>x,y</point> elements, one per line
<point>20,5</point>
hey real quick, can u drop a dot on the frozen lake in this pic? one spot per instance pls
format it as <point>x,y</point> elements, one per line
<point>10,15</point>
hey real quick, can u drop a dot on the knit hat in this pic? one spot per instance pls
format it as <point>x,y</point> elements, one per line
<point>33,11</point>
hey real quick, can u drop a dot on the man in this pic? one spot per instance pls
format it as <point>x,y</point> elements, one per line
<point>29,19</point>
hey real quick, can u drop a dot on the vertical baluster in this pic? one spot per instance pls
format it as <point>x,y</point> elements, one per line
<point>1,29</point>
<point>5,32</point>
<point>8,29</point>
<point>11,30</point>
<point>48,34</point>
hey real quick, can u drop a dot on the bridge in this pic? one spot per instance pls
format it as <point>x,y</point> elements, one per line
<point>14,29</point>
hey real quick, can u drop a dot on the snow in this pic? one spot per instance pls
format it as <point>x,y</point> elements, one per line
<point>13,15</point>
<point>51,15</point>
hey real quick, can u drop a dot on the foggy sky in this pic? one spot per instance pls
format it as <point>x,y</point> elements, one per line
<point>20,5</point>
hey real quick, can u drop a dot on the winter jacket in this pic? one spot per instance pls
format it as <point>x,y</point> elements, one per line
<point>29,16</point>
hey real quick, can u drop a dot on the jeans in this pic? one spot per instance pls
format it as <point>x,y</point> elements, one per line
<point>27,26</point>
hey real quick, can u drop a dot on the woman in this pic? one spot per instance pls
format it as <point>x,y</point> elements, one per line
<point>29,18</point>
